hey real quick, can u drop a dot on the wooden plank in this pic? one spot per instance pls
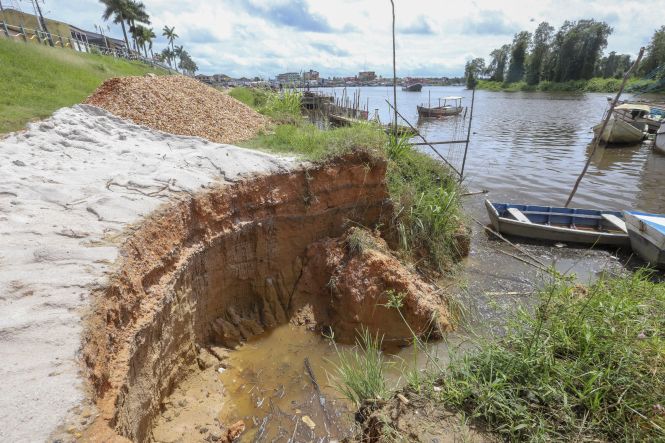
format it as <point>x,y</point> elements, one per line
<point>616,221</point>
<point>517,214</point>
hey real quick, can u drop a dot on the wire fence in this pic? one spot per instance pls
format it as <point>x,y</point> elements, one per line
<point>80,44</point>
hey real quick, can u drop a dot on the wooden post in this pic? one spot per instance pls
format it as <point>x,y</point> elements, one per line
<point>468,134</point>
<point>394,72</point>
<point>596,140</point>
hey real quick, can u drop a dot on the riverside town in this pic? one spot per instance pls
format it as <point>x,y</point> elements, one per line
<point>363,221</point>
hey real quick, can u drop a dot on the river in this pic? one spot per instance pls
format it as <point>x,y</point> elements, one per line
<point>529,147</point>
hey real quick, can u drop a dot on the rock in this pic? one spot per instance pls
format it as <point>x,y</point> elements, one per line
<point>18,163</point>
<point>308,421</point>
<point>205,359</point>
<point>235,430</point>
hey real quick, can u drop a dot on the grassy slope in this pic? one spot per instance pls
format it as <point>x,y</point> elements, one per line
<point>427,219</point>
<point>37,80</point>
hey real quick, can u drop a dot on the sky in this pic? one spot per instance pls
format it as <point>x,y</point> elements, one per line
<point>341,37</point>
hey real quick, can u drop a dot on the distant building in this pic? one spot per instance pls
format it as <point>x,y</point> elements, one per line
<point>311,76</point>
<point>289,77</point>
<point>366,76</point>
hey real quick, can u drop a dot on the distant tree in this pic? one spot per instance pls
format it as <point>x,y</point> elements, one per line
<point>542,39</point>
<point>168,56</point>
<point>518,52</point>
<point>170,34</point>
<point>187,65</point>
<point>118,9</point>
<point>655,52</point>
<point>177,53</point>
<point>136,13</point>
<point>577,48</point>
<point>497,67</point>
<point>472,70</point>
<point>613,66</point>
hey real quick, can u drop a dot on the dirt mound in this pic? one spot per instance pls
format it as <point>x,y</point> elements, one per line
<point>355,282</point>
<point>179,105</point>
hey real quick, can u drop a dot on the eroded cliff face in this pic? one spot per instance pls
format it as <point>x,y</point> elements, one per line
<point>217,268</point>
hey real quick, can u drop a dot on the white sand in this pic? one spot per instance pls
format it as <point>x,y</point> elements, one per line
<point>68,186</point>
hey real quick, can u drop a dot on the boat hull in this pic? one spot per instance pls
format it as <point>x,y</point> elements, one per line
<point>619,132</point>
<point>413,88</point>
<point>659,144</point>
<point>647,238</point>
<point>438,112</point>
<point>536,231</point>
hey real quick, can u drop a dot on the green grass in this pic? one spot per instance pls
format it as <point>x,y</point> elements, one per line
<point>593,85</point>
<point>588,366</point>
<point>427,215</point>
<point>281,107</point>
<point>359,373</point>
<point>312,143</point>
<point>37,80</point>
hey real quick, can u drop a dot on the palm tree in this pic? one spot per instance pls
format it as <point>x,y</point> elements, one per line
<point>136,13</point>
<point>170,35</point>
<point>118,9</point>
<point>177,52</point>
<point>148,36</point>
<point>167,54</point>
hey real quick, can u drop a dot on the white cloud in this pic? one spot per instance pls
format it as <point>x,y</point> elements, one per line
<point>341,37</point>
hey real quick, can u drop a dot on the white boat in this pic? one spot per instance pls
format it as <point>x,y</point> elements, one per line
<point>450,106</point>
<point>647,236</point>
<point>659,144</point>
<point>619,131</point>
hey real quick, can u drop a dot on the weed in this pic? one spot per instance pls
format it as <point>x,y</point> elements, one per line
<point>359,374</point>
<point>586,366</point>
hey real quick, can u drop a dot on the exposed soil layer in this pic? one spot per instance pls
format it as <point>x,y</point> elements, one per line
<point>354,282</point>
<point>179,105</point>
<point>218,268</point>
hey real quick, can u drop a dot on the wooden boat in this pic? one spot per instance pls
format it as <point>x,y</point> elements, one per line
<point>647,236</point>
<point>413,87</point>
<point>588,226</point>
<point>619,131</point>
<point>450,106</point>
<point>659,143</point>
<point>640,115</point>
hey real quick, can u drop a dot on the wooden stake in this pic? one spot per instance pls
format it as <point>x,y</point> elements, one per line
<point>394,73</point>
<point>602,128</point>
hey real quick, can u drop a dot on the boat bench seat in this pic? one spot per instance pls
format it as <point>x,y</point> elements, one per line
<point>615,221</point>
<point>518,215</point>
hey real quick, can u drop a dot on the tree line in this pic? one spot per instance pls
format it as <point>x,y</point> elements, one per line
<point>131,15</point>
<point>574,52</point>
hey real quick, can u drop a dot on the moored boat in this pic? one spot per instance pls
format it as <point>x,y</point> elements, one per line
<point>413,87</point>
<point>587,226</point>
<point>647,236</point>
<point>619,131</point>
<point>450,106</point>
<point>659,143</point>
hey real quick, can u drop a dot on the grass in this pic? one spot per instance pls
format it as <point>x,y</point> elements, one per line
<point>359,373</point>
<point>593,85</point>
<point>427,216</point>
<point>38,80</point>
<point>282,108</point>
<point>587,366</point>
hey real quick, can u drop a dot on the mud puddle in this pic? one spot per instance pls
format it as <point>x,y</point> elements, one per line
<point>265,384</point>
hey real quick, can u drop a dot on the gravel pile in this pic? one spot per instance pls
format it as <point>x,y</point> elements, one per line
<point>179,105</point>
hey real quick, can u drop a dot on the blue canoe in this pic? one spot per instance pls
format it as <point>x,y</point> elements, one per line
<point>647,236</point>
<point>569,225</point>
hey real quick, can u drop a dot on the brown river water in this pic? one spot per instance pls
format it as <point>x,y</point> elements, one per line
<point>525,148</point>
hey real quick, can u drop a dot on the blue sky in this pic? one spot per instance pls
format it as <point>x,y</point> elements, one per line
<point>342,37</point>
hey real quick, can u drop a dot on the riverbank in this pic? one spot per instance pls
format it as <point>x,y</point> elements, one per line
<point>585,364</point>
<point>593,85</point>
<point>37,80</point>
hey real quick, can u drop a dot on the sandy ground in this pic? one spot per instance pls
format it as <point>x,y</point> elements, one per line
<point>69,187</point>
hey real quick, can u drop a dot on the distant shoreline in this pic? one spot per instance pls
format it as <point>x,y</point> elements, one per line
<point>593,85</point>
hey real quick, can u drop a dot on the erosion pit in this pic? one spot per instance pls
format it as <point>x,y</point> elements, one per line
<point>218,268</point>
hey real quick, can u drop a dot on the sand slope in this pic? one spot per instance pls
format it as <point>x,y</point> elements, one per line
<point>69,186</point>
